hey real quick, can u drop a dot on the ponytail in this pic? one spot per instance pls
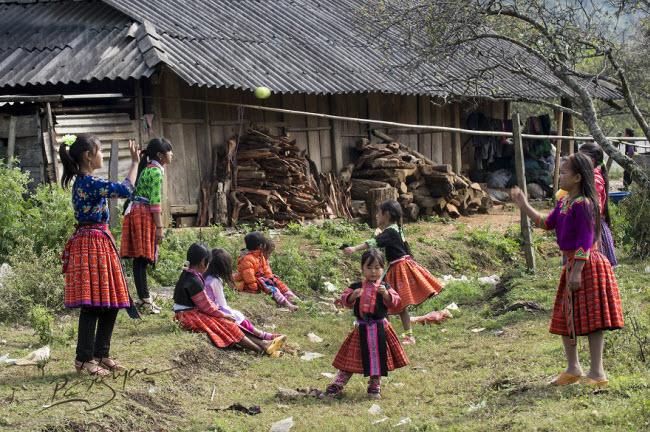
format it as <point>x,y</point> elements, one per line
<point>71,152</point>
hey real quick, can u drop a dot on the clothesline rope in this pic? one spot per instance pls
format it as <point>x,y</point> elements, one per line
<point>410,125</point>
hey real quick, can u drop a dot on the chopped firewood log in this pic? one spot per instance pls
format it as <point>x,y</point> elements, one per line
<point>384,174</point>
<point>360,187</point>
<point>375,198</point>
<point>359,209</point>
<point>452,210</point>
<point>411,211</point>
<point>405,198</point>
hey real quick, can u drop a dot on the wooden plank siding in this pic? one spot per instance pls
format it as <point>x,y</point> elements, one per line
<point>200,129</point>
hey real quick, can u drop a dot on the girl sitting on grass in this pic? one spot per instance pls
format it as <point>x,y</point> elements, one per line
<point>196,312</point>
<point>219,273</point>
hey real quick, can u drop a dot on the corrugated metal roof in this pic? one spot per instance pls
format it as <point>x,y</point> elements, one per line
<point>65,41</point>
<point>313,46</point>
<point>305,46</point>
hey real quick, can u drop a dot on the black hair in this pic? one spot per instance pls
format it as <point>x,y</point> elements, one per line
<point>155,146</point>
<point>255,240</point>
<point>394,210</point>
<point>372,256</point>
<point>71,156</point>
<point>197,253</point>
<point>581,164</point>
<point>595,152</point>
<point>629,132</point>
<point>220,265</point>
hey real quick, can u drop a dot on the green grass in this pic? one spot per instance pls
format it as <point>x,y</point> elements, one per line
<point>458,380</point>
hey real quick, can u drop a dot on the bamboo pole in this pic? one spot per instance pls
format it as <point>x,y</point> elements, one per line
<point>521,181</point>
<point>403,125</point>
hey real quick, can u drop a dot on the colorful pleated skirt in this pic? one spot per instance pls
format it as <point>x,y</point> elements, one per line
<point>93,272</point>
<point>221,331</point>
<point>596,305</point>
<point>139,234</point>
<point>413,283</point>
<point>350,356</point>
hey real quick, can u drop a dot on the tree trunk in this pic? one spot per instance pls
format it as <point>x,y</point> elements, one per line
<point>591,120</point>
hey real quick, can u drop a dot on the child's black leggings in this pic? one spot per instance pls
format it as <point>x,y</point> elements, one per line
<point>95,332</point>
<point>140,277</point>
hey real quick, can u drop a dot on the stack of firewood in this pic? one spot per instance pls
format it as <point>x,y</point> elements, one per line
<point>421,186</point>
<point>273,180</point>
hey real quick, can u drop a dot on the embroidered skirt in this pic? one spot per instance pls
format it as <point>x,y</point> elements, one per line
<point>596,305</point>
<point>139,234</point>
<point>413,283</point>
<point>221,331</point>
<point>607,244</point>
<point>350,356</point>
<point>93,271</point>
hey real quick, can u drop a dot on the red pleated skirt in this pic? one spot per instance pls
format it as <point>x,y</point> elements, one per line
<point>93,271</point>
<point>349,358</point>
<point>413,283</point>
<point>221,331</point>
<point>596,305</point>
<point>139,234</point>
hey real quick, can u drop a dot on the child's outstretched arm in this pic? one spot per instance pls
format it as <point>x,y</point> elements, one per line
<point>358,248</point>
<point>520,201</point>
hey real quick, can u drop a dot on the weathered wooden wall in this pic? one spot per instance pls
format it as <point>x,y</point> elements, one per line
<point>198,128</point>
<point>28,145</point>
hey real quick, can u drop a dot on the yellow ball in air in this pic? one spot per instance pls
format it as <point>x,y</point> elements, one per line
<point>262,92</point>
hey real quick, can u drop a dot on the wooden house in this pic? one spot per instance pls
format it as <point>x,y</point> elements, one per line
<point>137,69</point>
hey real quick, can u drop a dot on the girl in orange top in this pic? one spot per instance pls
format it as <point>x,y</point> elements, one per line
<point>250,276</point>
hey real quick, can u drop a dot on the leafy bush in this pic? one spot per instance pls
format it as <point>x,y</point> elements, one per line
<point>630,224</point>
<point>13,207</point>
<point>35,280</point>
<point>41,321</point>
<point>51,219</point>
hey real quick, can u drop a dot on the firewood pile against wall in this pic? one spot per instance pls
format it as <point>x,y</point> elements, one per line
<point>274,181</point>
<point>422,187</point>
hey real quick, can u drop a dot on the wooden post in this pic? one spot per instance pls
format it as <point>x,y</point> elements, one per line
<point>559,119</point>
<point>113,166</point>
<point>11,141</point>
<point>456,152</point>
<point>52,134</point>
<point>521,181</point>
<point>375,198</point>
<point>336,138</point>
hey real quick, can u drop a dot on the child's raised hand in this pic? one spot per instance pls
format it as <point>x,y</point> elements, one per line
<point>348,250</point>
<point>517,196</point>
<point>135,153</point>
<point>355,294</point>
<point>382,290</point>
